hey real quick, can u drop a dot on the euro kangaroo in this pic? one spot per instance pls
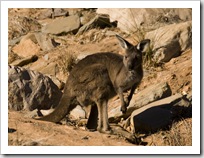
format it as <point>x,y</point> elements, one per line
<point>97,78</point>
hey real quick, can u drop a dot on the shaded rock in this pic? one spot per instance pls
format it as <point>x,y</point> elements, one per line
<point>11,130</point>
<point>170,41</point>
<point>30,90</point>
<point>151,119</point>
<point>64,25</point>
<point>182,108</point>
<point>145,18</point>
<point>101,21</point>
<point>142,98</point>
<point>26,48</point>
<point>157,115</point>
<point>24,61</point>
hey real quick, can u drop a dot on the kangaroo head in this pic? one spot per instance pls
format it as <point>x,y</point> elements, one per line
<point>133,54</point>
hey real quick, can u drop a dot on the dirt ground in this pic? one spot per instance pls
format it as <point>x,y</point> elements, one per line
<point>24,131</point>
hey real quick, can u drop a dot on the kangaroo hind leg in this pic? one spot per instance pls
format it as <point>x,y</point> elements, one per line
<point>103,125</point>
<point>106,126</point>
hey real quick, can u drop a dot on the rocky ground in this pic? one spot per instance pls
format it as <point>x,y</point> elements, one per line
<point>37,43</point>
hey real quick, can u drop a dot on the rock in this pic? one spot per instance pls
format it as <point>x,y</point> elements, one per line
<point>157,115</point>
<point>78,113</point>
<point>42,39</point>
<point>47,13</point>
<point>26,48</point>
<point>151,119</point>
<point>48,68</point>
<point>14,41</point>
<point>63,25</point>
<point>140,99</point>
<point>145,18</point>
<point>101,21</point>
<point>45,42</point>
<point>56,81</point>
<point>189,96</point>
<point>30,36</point>
<point>24,61</point>
<point>118,130</point>
<point>30,90</point>
<point>182,108</point>
<point>59,12</point>
<point>170,41</point>
<point>86,16</point>
<point>52,13</point>
<point>85,138</point>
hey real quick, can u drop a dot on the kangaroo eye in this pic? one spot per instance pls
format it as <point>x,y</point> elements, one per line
<point>125,56</point>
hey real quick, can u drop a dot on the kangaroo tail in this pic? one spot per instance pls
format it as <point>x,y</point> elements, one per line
<point>60,111</point>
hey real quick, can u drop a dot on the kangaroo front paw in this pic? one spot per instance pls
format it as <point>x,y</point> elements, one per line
<point>123,108</point>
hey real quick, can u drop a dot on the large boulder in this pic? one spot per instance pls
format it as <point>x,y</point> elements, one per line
<point>170,41</point>
<point>63,25</point>
<point>146,18</point>
<point>158,115</point>
<point>30,90</point>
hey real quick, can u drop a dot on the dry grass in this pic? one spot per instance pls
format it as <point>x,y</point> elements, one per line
<point>179,134</point>
<point>67,60</point>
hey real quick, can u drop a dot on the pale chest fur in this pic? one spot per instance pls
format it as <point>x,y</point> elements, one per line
<point>127,80</point>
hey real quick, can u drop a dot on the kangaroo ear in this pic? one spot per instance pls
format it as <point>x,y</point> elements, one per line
<point>123,43</point>
<point>143,46</point>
